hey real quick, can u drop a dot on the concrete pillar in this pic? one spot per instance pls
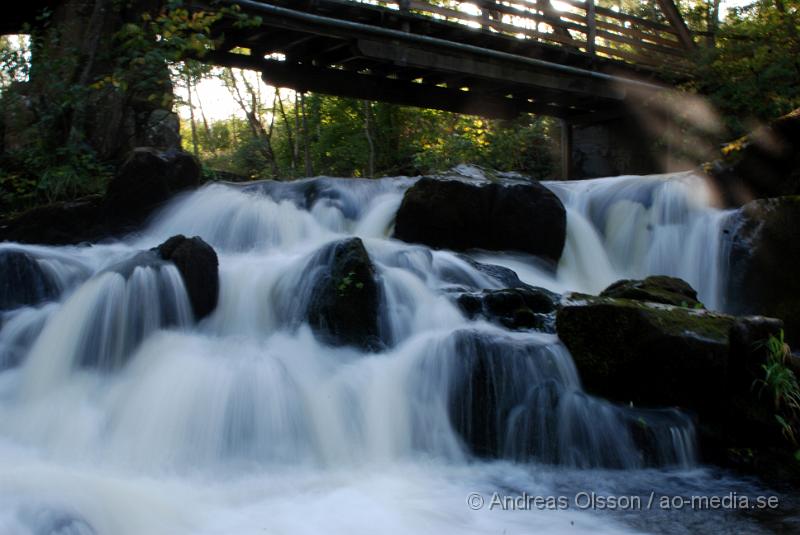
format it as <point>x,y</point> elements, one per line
<point>613,147</point>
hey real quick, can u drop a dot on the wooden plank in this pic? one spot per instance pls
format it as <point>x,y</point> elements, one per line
<point>673,15</point>
<point>497,25</point>
<point>641,45</point>
<point>604,11</point>
<point>656,39</point>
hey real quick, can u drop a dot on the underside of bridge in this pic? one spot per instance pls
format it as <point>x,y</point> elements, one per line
<point>365,51</point>
<point>589,68</point>
<point>402,56</point>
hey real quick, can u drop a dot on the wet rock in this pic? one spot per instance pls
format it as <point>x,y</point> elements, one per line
<point>518,398</point>
<point>199,267</point>
<point>344,304</point>
<point>514,308</point>
<point>655,289</point>
<point>764,251</point>
<point>648,354</point>
<point>22,281</point>
<point>655,355</point>
<point>456,215</point>
<point>148,178</point>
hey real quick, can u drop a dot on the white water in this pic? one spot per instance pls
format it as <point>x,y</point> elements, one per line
<point>119,416</point>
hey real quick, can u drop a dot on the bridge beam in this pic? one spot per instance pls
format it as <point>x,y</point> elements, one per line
<point>341,83</point>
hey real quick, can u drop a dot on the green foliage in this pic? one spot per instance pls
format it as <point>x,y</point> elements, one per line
<point>346,283</point>
<point>752,74</point>
<point>406,141</point>
<point>781,384</point>
<point>41,163</point>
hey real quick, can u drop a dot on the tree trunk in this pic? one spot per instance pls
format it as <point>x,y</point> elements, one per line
<point>195,149</point>
<point>712,23</point>
<point>289,133</point>
<point>306,147</point>
<point>368,133</point>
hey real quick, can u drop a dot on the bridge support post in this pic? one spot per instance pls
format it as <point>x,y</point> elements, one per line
<point>618,146</point>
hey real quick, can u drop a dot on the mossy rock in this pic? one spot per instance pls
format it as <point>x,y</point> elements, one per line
<point>656,289</point>
<point>345,299</point>
<point>656,355</point>
<point>648,354</point>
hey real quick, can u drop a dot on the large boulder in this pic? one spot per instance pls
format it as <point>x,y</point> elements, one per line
<point>22,281</point>
<point>199,268</point>
<point>453,214</point>
<point>764,249</point>
<point>514,308</point>
<point>765,163</point>
<point>648,354</point>
<point>148,178</point>
<point>344,305</point>
<point>655,289</point>
<point>655,355</point>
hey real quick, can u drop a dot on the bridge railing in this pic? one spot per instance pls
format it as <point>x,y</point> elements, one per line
<point>580,25</point>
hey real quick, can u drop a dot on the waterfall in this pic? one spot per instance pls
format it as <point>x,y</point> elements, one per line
<point>120,414</point>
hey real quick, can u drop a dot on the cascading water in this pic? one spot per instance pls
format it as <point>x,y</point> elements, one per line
<point>121,415</point>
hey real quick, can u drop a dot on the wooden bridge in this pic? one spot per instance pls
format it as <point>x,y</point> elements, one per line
<point>585,63</point>
<point>570,59</point>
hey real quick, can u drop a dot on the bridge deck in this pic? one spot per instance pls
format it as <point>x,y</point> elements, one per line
<point>496,59</point>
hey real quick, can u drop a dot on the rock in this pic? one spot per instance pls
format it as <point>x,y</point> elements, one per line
<point>63,223</point>
<point>146,179</point>
<point>656,289</point>
<point>517,398</point>
<point>764,250</point>
<point>199,267</point>
<point>651,355</point>
<point>344,304</point>
<point>655,355</point>
<point>22,281</point>
<point>514,308</point>
<point>162,129</point>
<point>765,163</point>
<point>456,215</point>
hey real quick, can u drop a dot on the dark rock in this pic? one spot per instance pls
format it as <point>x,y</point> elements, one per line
<point>63,223</point>
<point>147,179</point>
<point>492,378</point>
<point>22,281</point>
<point>651,355</point>
<point>199,267</point>
<point>344,304</point>
<point>655,355</point>
<point>456,215</point>
<point>764,250</point>
<point>514,308</point>
<point>517,398</point>
<point>765,163</point>
<point>656,289</point>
